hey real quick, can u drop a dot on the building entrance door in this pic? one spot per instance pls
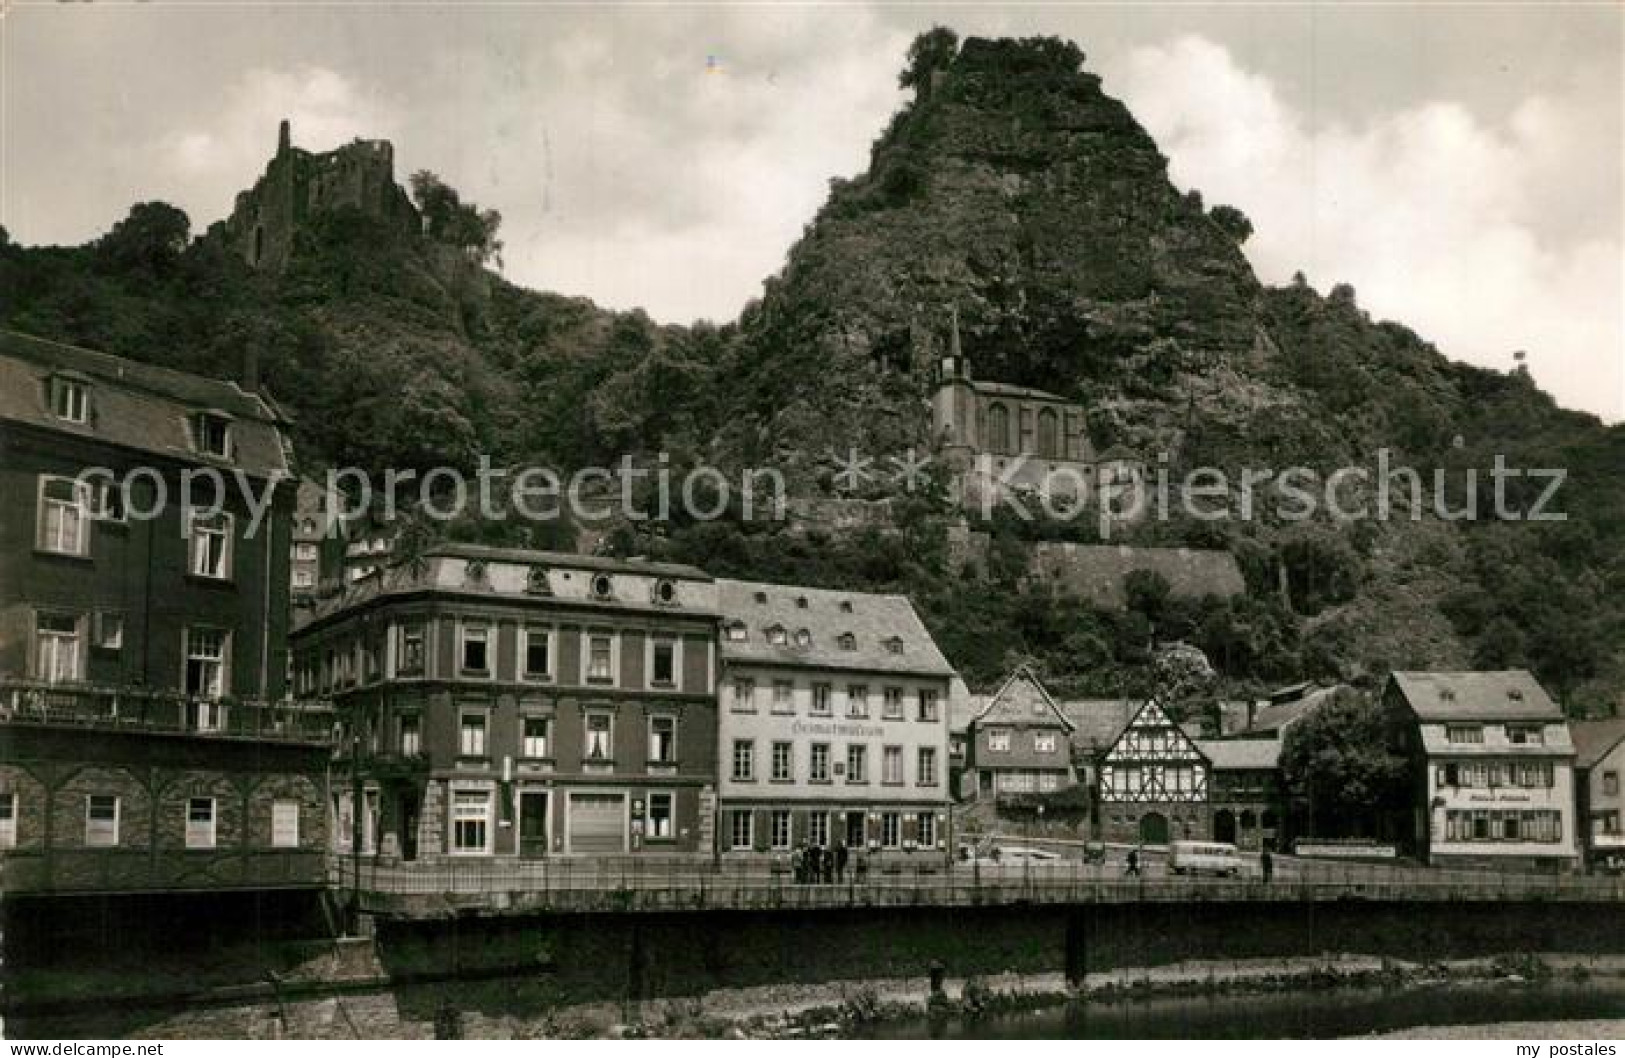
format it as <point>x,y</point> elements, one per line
<point>532,825</point>
<point>1224,826</point>
<point>1154,829</point>
<point>409,826</point>
<point>856,837</point>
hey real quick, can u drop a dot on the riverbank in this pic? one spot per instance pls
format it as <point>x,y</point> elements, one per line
<point>833,1010</point>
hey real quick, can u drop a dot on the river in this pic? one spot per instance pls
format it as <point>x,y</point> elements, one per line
<point>1325,1014</point>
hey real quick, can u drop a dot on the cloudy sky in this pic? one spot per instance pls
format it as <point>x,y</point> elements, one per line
<point>1460,165</point>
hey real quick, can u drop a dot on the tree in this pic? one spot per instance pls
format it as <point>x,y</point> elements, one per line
<point>449,219</point>
<point>932,50</point>
<point>148,241</point>
<point>1146,592</point>
<point>1339,762</point>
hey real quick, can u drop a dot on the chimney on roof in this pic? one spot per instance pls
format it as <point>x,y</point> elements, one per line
<point>284,138</point>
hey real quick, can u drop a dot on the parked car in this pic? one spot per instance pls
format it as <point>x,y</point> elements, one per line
<point>1195,857</point>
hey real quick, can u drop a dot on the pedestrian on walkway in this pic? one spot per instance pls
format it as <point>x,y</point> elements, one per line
<point>840,862</point>
<point>1267,862</point>
<point>1133,862</point>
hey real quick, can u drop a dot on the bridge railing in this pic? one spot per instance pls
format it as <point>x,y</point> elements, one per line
<point>567,881</point>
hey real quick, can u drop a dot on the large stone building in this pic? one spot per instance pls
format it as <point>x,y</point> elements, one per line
<point>299,184</point>
<point>1494,768</point>
<point>834,722</point>
<point>143,740</point>
<point>519,704</point>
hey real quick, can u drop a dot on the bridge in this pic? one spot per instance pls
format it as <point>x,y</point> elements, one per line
<point>485,888</point>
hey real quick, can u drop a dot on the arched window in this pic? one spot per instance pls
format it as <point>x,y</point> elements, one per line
<point>998,428</point>
<point>1049,441</point>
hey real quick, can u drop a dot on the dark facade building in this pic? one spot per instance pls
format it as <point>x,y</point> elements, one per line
<point>1019,743</point>
<point>519,704</point>
<point>143,617</point>
<point>1244,791</point>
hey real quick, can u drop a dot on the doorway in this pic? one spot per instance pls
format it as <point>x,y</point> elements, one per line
<point>409,826</point>
<point>856,836</point>
<point>1224,826</point>
<point>532,825</point>
<point>1154,829</point>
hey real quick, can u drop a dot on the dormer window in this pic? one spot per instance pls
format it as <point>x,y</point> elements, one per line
<point>801,602</point>
<point>847,641</point>
<point>776,636</point>
<point>536,581</point>
<point>894,645</point>
<point>211,434</point>
<point>761,598</point>
<point>603,586</point>
<point>70,398</point>
<point>846,605</point>
<point>803,638</point>
<point>735,632</point>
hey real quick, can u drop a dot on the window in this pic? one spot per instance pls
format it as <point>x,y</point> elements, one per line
<point>663,663</point>
<point>818,829</point>
<point>857,701</point>
<point>735,632</point>
<point>891,829</point>
<point>803,638</point>
<point>783,767</point>
<point>101,820</point>
<point>600,742</point>
<point>603,586</point>
<point>777,636</point>
<point>56,648</point>
<point>781,828</point>
<point>200,823</point>
<point>411,735</point>
<point>533,736</point>
<point>744,760</point>
<point>208,545</point>
<point>661,813</point>
<point>538,654</point>
<point>929,712</point>
<point>8,820</point>
<point>1043,742</point>
<point>470,820</point>
<point>927,774</point>
<point>412,649</point>
<point>1610,783</point>
<point>666,592</point>
<point>739,829</point>
<point>1526,734</point>
<point>600,650</point>
<point>818,762</point>
<point>821,699</point>
<point>784,701</point>
<point>925,825</point>
<point>205,662</point>
<point>663,740</point>
<point>998,741</point>
<point>1464,733</point>
<point>302,578</point>
<point>211,434</point>
<point>894,645</point>
<point>857,759</point>
<point>284,824</point>
<point>476,648</point>
<point>70,399</point>
<point>63,510</point>
<point>891,707</point>
<point>847,641</point>
<point>304,552</point>
<point>744,697</point>
<point>471,735</point>
<point>891,765</point>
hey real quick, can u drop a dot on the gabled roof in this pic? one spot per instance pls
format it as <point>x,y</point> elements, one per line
<point>886,634</point>
<point>138,406</point>
<point>1240,754</point>
<point>1595,739</point>
<point>1512,694</point>
<point>1151,714</point>
<point>1024,700</point>
<point>1098,722</point>
<point>1008,389</point>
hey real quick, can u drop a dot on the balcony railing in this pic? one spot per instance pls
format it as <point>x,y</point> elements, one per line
<point>141,710</point>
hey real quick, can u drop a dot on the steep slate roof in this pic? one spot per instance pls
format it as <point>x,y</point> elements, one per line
<point>1273,719</point>
<point>1595,739</point>
<point>1022,700</point>
<point>138,406</point>
<point>1512,694</point>
<point>1095,572</point>
<point>872,620</point>
<point>1006,389</point>
<point>1241,754</point>
<point>1098,722</point>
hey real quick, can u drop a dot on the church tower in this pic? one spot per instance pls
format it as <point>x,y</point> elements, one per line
<point>953,405</point>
